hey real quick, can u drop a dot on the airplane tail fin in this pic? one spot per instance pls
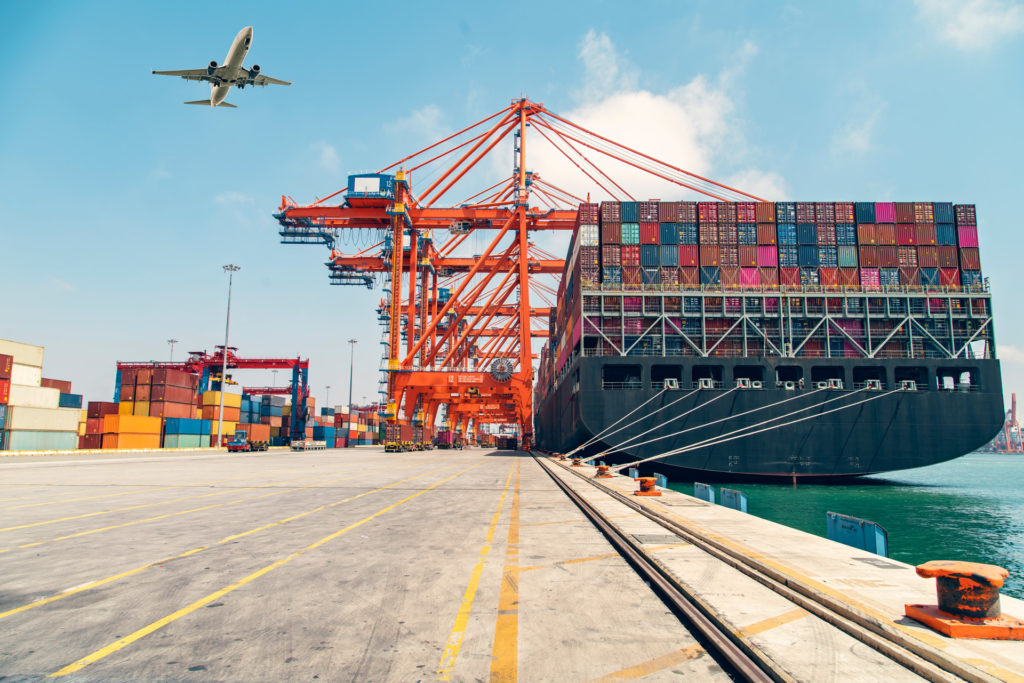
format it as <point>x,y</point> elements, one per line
<point>207,103</point>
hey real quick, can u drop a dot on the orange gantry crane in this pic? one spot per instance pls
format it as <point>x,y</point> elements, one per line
<point>460,326</point>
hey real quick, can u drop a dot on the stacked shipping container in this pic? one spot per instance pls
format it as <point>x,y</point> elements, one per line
<point>34,416</point>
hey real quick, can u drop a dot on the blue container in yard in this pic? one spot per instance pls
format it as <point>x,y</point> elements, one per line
<point>787,233</point>
<point>747,233</point>
<point>629,212</point>
<point>846,234</point>
<point>943,212</point>
<point>809,257</point>
<point>669,233</point>
<point>889,277</point>
<point>669,255</point>
<point>809,277</point>
<point>710,275</point>
<point>789,256</point>
<point>3,416</point>
<point>649,276</point>
<point>70,401</point>
<point>847,256</point>
<point>807,233</point>
<point>929,277</point>
<point>184,425</point>
<point>785,212</point>
<point>612,275</point>
<point>687,233</point>
<point>649,255</point>
<point>946,234</point>
<point>864,212</point>
<point>828,257</point>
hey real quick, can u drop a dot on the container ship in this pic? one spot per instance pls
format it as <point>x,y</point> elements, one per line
<point>771,341</point>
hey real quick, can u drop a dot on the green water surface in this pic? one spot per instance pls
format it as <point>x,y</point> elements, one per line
<point>971,508</point>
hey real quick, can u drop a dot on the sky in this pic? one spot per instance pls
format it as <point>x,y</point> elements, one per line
<point>120,205</point>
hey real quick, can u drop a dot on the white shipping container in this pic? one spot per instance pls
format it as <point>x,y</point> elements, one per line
<point>34,397</point>
<point>43,419</point>
<point>25,354</point>
<point>26,375</point>
<point>590,236</point>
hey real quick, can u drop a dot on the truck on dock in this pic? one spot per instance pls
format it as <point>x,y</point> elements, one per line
<point>241,443</point>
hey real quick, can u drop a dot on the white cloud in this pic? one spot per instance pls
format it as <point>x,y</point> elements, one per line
<point>973,24</point>
<point>856,137</point>
<point>62,285</point>
<point>327,156</point>
<point>424,123</point>
<point>1010,354</point>
<point>228,198</point>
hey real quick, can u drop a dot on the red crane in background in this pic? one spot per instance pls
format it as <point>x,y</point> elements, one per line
<point>468,320</point>
<point>1009,439</point>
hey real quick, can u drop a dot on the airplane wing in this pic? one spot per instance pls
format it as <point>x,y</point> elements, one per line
<point>267,80</point>
<point>189,74</point>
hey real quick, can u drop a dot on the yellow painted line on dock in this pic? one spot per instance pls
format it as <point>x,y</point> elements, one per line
<point>505,652</point>
<point>773,622</point>
<point>131,572</point>
<point>185,611</point>
<point>451,650</point>
<point>559,521</point>
<point>653,665</point>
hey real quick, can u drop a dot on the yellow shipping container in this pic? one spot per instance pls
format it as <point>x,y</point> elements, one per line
<point>125,408</point>
<point>199,414</point>
<point>212,398</point>
<point>229,428</point>
<point>141,409</point>
<point>131,424</point>
<point>81,429</point>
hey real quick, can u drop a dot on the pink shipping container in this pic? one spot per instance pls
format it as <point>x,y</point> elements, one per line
<point>885,233</point>
<point>688,256</point>
<point>906,234</point>
<point>967,236</point>
<point>870,279</point>
<point>650,233</point>
<point>746,212</point>
<point>885,212</point>
<point>768,257</point>
<point>630,254</point>
<point>749,277</point>
<point>768,277</point>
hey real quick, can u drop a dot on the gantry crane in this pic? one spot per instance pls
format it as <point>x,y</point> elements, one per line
<point>468,321</point>
<point>1010,439</point>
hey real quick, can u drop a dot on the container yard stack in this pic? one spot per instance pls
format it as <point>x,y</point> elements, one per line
<point>271,415</point>
<point>183,432</point>
<point>172,393</point>
<point>131,431</point>
<point>232,411</point>
<point>95,412</point>
<point>31,415</point>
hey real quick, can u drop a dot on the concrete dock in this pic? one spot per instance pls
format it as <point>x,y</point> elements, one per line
<point>355,565</point>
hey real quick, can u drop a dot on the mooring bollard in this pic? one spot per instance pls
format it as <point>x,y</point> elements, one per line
<point>968,595</point>
<point>576,462</point>
<point>602,472</point>
<point>647,487</point>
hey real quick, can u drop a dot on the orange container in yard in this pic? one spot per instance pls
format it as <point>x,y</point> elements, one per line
<point>131,441</point>
<point>131,424</point>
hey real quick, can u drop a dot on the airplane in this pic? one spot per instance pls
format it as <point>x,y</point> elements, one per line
<point>221,78</point>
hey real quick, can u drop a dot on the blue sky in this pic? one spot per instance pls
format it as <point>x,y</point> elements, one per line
<point>120,204</point>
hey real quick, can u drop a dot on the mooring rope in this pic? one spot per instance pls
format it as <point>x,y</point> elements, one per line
<point>602,433</point>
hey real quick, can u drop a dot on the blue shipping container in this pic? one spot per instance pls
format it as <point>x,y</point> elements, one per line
<point>846,233</point>
<point>710,275</point>
<point>807,233</point>
<point>889,277</point>
<point>669,233</point>
<point>828,257</point>
<point>787,233</point>
<point>649,276</point>
<point>929,277</point>
<point>864,212</point>
<point>630,233</point>
<point>3,416</point>
<point>669,255</point>
<point>943,212</point>
<point>847,256</point>
<point>946,234</point>
<point>971,278</point>
<point>629,212</point>
<point>809,277</point>
<point>612,275</point>
<point>184,425</point>
<point>747,233</point>
<point>789,256</point>
<point>70,401</point>
<point>649,255</point>
<point>687,233</point>
<point>785,212</point>
<point>809,257</point>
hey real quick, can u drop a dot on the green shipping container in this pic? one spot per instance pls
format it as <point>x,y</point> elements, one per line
<point>186,440</point>
<point>26,440</point>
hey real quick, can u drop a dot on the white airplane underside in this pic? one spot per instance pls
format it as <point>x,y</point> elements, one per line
<point>231,74</point>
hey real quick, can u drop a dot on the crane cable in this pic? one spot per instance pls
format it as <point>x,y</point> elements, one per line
<point>603,431</point>
<point>715,441</point>
<point>730,417</point>
<point>673,419</point>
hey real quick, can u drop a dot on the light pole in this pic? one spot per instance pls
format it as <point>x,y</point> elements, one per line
<point>172,342</point>
<point>230,269</point>
<point>351,356</point>
<point>327,401</point>
<point>274,373</point>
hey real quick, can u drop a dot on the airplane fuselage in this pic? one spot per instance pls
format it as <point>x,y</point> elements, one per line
<point>232,64</point>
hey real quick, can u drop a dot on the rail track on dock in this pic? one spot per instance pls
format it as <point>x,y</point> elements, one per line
<point>737,655</point>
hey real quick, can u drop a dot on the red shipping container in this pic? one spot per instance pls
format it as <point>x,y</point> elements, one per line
<point>6,364</point>
<point>144,376</point>
<point>965,214</point>
<point>746,212</point>
<point>768,277</point>
<point>844,212</point>
<point>650,233</point>
<point>630,254</point>
<point>726,213</point>
<point>764,212</point>
<point>630,275</point>
<point>826,234</point>
<point>689,256</point>
<point>906,234</point>
<point>174,394</point>
<point>689,276</point>
<point>768,257</point>
<point>729,255</point>
<point>970,259</point>
<point>611,255</point>
<point>5,391</point>
<point>924,212</point>
<point>94,425</point>
<point>849,277</point>
<point>928,257</point>
<point>708,234</point>
<point>907,257</point>
<point>789,277</point>
<point>766,233</point>
<point>166,409</point>
<point>887,256</point>
<point>610,211</point>
<point>687,212</point>
<point>708,213</point>
<point>824,213</point>
<point>948,257</point>
<point>128,376</point>
<point>865,233</point>
<point>668,212</point>
<point>967,236</point>
<point>885,212</point>
<point>127,392</point>
<point>904,212</point>
<point>949,277</point>
<point>926,234</point>
<point>869,257</point>
<point>728,234</point>
<point>748,256</point>
<point>142,392</point>
<point>611,233</point>
<point>805,212</point>
<point>828,277</point>
<point>101,408</point>
<point>731,277</point>
<point>669,275</point>
<point>885,233</point>
<point>62,385</point>
<point>91,441</point>
<point>710,256</point>
<point>588,213</point>
<point>648,211</point>
<point>910,276</point>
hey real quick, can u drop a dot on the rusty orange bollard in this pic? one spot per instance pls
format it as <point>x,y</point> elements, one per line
<point>647,487</point>
<point>576,462</point>
<point>602,472</point>
<point>968,594</point>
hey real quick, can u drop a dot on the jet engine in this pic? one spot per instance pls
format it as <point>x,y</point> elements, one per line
<point>254,71</point>
<point>212,67</point>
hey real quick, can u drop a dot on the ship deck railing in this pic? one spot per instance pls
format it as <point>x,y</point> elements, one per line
<point>787,289</point>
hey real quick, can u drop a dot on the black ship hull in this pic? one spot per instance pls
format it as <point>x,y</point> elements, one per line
<point>920,425</point>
